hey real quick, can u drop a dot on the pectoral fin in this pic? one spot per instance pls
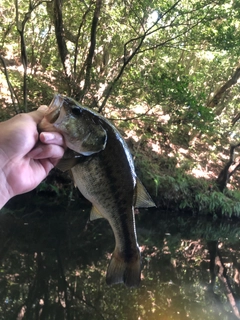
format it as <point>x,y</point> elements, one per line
<point>66,164</point>
<point>69,160</point>
<point>142,198</point>
<point>95,214</point>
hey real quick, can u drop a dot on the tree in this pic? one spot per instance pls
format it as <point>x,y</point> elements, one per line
<point>165,59</point>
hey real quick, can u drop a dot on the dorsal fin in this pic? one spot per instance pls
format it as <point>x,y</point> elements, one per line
<point>142,197</point>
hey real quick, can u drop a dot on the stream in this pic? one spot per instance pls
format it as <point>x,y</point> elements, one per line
<point>54,262</point>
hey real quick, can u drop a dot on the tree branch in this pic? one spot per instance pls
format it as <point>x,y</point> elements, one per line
<point>222,275</point>
<point>227,85</point>
<point>10,87</point>
<point>89,58</point>
<point>225,173</point>
<point>126,59</point>
<point>21,29</point>
<point>60,36</point>
<point>77,39</point>
<point>129,54</point>
<point>235,119</point>
<point>216,261</point>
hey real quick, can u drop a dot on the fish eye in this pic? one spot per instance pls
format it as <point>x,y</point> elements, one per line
<point>76,111</point>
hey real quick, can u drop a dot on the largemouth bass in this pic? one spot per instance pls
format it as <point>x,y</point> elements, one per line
<point>106,178</point>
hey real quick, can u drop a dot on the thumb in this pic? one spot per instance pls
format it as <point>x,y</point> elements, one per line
<point>42,109</point>
<point>39,113</point>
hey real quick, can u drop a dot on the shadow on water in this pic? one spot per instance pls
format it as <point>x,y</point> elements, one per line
<point>53,265</point>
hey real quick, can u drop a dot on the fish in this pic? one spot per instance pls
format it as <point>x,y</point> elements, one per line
<point>107,178</point>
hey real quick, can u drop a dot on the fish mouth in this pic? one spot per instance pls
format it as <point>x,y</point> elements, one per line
<point>52,116</point>
<point>54,108</point>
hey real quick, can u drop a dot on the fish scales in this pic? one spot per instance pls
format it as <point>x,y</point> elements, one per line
<point>110,188</point>
<point>103,170</point>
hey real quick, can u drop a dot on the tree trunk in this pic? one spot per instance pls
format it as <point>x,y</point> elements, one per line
<point>60,36</point>
<point>89,59</point>
<point>229,169</point>
<point>216,263</point>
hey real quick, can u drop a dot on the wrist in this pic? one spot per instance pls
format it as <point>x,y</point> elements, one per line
<point>4,192</point>
<point>4,188</point>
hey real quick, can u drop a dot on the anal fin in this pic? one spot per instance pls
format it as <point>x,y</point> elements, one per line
<point>95,214</point>
<point>142,198</point>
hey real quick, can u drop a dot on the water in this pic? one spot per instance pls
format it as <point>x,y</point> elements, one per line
<point>53,266</point>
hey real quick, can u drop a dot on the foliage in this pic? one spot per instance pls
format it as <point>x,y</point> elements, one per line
<point>167,72</point>
<point>184,192</point>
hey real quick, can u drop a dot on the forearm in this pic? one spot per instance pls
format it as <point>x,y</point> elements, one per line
<point>4,192</point>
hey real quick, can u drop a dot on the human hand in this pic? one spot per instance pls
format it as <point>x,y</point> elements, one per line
<point>26,157</point>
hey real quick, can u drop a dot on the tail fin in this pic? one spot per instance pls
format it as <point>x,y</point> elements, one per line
<point>122,271</point>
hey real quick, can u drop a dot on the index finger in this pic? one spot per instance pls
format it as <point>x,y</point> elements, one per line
<point>38,114</point>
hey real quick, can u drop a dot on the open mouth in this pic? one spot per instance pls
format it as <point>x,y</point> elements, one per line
<point>54,108</point>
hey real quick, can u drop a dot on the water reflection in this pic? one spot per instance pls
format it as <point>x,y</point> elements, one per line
<point>53,264</point>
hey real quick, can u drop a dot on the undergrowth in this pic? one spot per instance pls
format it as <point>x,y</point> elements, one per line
<point>187,193</point>
<point>175,190</point>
